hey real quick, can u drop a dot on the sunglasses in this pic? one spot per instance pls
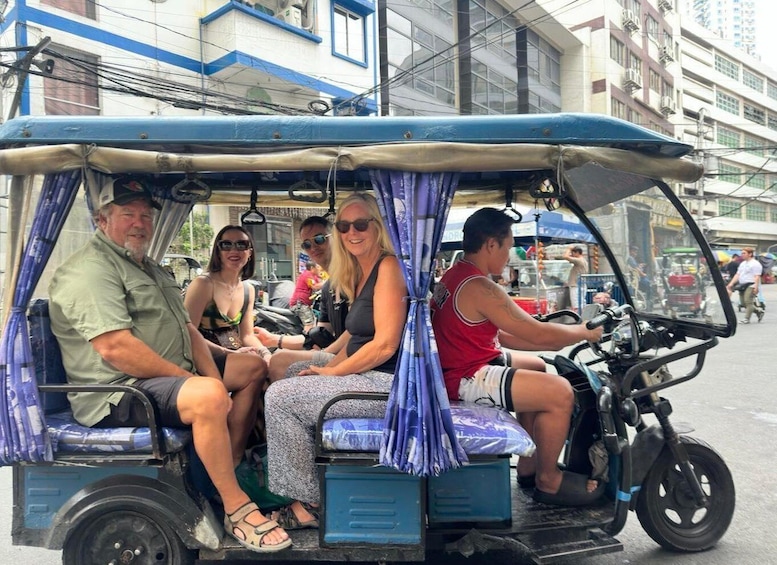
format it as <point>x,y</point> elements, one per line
<point>240,245</point>
<point>319,239</point>
<point>359,225</point>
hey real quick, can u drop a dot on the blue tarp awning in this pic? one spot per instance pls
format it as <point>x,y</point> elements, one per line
<point>552,227</point>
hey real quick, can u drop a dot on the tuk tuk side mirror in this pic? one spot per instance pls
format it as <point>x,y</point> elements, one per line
<point>545,190</point>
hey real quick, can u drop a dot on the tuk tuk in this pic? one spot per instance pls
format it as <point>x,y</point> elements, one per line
<point>131,496</point>
<point>683,273</point>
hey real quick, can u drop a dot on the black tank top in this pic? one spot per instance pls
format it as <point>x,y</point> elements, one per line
<point>360,321</point>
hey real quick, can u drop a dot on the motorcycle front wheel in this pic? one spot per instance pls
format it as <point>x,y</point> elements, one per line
<point>666,507</point>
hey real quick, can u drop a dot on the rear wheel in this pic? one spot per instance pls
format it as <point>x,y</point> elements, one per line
<point>666,508</point>
<point>125,536</point>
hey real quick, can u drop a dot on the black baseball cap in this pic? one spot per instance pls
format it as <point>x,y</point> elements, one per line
<point>126,189</point>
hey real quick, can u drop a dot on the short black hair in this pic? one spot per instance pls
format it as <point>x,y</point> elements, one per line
<point>316,221</point>
<point>484,224</point>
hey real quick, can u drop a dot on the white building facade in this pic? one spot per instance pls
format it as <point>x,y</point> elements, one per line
<point>730,109</point>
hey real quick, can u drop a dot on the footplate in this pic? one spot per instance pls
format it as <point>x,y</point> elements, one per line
<point>543,549</point>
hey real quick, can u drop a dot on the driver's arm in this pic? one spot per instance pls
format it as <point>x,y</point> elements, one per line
<point>483,299</point>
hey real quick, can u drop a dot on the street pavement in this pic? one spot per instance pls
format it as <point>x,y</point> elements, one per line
<point>732,405</point>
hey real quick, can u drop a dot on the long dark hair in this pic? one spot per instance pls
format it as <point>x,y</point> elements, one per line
<point>214,264</point>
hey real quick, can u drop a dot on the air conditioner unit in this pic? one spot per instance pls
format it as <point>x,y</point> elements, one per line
<point>668,105</point>
<point>665,5</point>
<point>291,15</point>
<point>630,21</point>
<point>632,80</point>
<point>665,54</point>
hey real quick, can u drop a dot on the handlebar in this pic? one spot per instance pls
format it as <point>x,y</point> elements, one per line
<point>609,315</point>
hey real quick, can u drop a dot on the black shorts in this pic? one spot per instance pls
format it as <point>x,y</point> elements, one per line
<point>130,412</point>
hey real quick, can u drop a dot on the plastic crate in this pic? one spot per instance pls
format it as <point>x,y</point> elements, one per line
<point>532,305</point>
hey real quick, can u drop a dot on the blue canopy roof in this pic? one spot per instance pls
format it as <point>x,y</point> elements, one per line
<point>550,227</point>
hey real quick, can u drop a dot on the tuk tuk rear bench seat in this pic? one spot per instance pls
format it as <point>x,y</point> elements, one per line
<point>481,430</point>
<point>369,504</point>
<point>67,435</point>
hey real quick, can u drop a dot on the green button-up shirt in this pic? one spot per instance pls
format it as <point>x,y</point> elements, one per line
<point>100,289</point>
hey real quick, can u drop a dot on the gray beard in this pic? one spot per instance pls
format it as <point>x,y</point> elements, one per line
<point>137,252</point>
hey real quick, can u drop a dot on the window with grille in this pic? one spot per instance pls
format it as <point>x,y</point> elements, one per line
<point>771,90</point>
<point>729,208</point>
<point>727,67</point>
<point>728,137</point>
<point>752,80</point>
<point>754,145</point>
<point>72,88</point>
<point>756,211</point>
<point>727,103</point>
<point>755,114</point>
<point>84,8</point>
<point>729,173</point>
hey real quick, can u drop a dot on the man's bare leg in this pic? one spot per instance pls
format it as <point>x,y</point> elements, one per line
<point>204,404</point>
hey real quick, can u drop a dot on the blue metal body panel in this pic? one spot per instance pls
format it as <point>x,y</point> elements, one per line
<point>372,506</point>
<point>576,129</point>
<point>475,494</point>
<point>46,489</point>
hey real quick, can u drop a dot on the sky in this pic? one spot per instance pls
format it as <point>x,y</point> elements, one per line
<point>766,11</point>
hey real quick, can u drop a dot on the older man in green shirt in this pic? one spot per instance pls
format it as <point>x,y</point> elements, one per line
<point>119,318</point>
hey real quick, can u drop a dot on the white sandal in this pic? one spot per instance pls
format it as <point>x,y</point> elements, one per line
<point>252,535</point>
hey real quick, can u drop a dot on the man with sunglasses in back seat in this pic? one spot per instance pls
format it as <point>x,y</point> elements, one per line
<point>330,334</point>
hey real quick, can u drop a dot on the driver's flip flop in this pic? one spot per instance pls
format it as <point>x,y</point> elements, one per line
<point>572,492</point>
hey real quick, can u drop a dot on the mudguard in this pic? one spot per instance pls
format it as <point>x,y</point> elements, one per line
<point>196,527</point>
<point>645,450</point>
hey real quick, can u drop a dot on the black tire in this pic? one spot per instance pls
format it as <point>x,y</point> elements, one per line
<point>106,537</point>
<point>665,506</point>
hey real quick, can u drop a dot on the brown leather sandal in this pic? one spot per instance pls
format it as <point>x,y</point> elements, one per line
<point>288,520</point>
<point>250,536</point>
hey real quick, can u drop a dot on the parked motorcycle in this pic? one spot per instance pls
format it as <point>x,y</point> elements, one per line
<point>275,316</point>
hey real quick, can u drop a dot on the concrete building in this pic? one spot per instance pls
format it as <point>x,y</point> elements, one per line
<point>730,114</point>
<point>625,58</point>
<point>732,20</point>
<point>188,57</point>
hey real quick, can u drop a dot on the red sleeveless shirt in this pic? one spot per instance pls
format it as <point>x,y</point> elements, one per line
<point>464,345</point>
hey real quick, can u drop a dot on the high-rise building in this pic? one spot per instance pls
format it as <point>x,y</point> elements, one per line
<point>733,20</point>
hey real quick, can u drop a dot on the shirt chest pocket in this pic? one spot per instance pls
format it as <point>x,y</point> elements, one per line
<point>150,303</point>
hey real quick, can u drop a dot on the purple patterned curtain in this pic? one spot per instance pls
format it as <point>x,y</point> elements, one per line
<point>23,435</point>
<point>418,434</point>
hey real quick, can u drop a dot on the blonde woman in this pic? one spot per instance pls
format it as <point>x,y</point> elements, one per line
<point>365,269</point>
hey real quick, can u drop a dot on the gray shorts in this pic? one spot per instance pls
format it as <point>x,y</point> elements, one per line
<point>489,386</point>
<point>305,313</point>
<point>130,412</point>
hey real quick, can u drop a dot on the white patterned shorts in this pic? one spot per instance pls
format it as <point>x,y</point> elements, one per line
<point>490,386</point>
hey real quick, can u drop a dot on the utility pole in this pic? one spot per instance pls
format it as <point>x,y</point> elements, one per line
<point>700,157</point>
<point>22,68</point>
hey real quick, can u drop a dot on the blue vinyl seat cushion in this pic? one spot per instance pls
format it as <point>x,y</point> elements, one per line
<point>68,436</point>
<point>480,430</point>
